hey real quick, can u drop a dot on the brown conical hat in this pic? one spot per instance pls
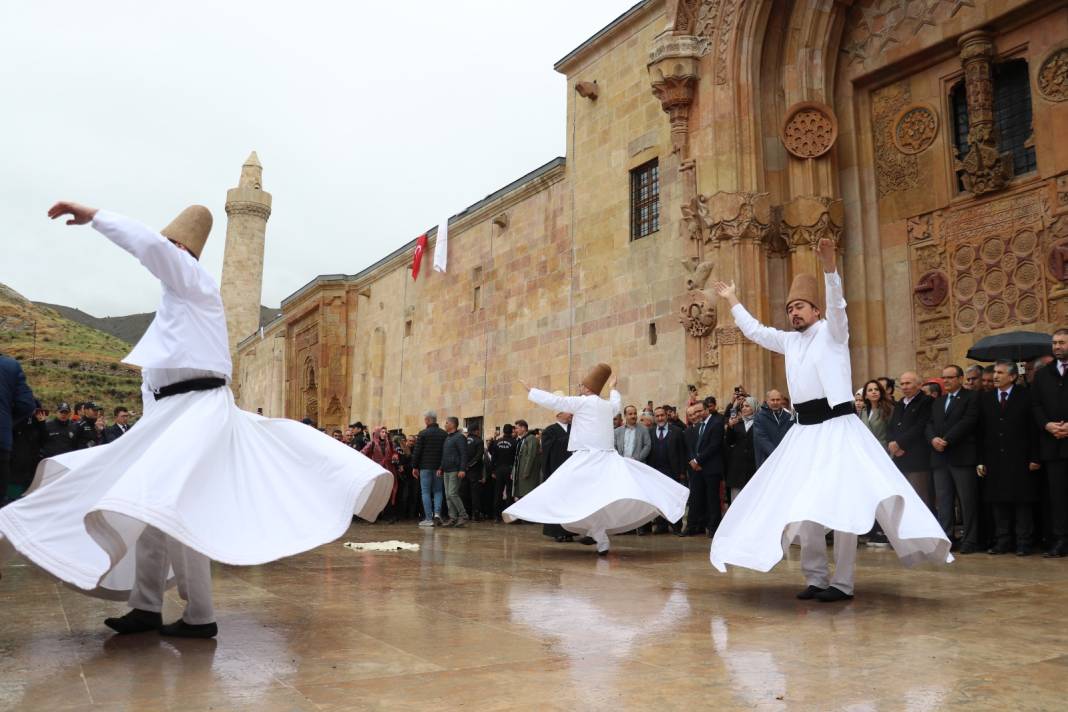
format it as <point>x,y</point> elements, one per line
<point>190,228</point>
<point>597,377</point>
<point>805,288</point>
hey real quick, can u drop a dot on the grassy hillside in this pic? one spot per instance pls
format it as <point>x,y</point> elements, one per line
<point>67,361</point>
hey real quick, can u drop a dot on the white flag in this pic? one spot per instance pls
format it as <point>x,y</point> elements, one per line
<point>441,246</point>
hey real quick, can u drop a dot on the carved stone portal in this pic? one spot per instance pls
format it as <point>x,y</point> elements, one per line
<point>810,129</point>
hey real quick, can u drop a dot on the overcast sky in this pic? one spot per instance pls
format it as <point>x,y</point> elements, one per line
<point>373,121</point>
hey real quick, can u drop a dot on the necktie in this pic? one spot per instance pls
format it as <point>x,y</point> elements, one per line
<point>949,401</point>
<point>1004,399</point>
<point>701,431</point>
<point>661,432</point>
<point>1062,366</point>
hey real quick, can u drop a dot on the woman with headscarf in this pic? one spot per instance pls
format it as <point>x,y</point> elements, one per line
<point>380,449</point>
<point>741,457</point>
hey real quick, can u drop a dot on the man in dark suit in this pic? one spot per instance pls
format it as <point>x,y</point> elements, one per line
<point>1008,458</point>
<point>554,453</point>
<point>667,456</point>
<point>704,446</point>
<point>117,429</point>
<point>951,433</point>
<point>1049,397</point>
<point>16,405</point>
<point>906,432</point>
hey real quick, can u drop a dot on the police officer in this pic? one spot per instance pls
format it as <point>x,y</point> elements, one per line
<point>85,433</point>
<point>60,433</point>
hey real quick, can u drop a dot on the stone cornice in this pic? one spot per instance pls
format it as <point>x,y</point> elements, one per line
<point>580,57</point>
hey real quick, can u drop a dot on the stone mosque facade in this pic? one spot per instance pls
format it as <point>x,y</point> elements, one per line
<point>718,139</point>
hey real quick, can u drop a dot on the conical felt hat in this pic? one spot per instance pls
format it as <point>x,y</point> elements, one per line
<point>190,228</point>
<point>597,377</point>
<point>806,289</point>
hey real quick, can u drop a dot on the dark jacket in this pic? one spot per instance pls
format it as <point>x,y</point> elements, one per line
<point>16,399</point>
<point>29,437</point>
<point>1049,401</point>
<point>429,446</point>
<point>668,456</point>
<point>476,453</point>
<point>741,456</point>
<point>708,448</point>
<point>113,432</point>
<point>60,438</point>
<point>554,450</point>
<point>502,453</point>
<point>454,452</point>
<point>957,427</point>
<point>908,428</point>
<point>85,435</point>
<point>768,431</point>
<point>1008,444</point>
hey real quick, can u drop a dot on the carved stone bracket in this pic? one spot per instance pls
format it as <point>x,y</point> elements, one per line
<point>984,168</point>
<point>673,71</point>
<point>808,219</point>
<point>698,313</point>
<point>739,216</point>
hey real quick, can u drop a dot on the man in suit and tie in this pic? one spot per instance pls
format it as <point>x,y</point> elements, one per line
<point>908,444</point>
<point>667,456</point>
<point>1049,394</point>
<point>117,429</point>
<point>1008,458</point>
<point>554,453</point>
<point>704,444</point>
<point>951,433</point>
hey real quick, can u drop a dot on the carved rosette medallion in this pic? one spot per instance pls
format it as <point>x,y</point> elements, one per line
<point>915,128</point>
<point>1052,76</point>
<point>932,288</point>
<point>698,313</point>
<point>810,129</point>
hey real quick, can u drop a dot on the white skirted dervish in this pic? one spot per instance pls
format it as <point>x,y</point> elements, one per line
<point>829,472</point>
<point>597,492</point>
<point>197,479</point>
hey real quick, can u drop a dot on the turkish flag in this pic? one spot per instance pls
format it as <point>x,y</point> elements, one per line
<point>417,257</point>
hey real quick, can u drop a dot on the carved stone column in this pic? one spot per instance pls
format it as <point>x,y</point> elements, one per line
<point>983,168</point>
<point>806,220</point>
<point>673,70</point>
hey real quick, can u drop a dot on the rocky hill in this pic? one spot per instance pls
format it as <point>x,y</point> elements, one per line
<point>129,328</point>
<point>63,359</point>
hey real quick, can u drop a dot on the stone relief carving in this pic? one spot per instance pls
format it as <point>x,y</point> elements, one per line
<point>932,288</point>
<point>915,128</point>
<point>738,216</point>
<point>919,228</point>
<point>808,219</point>
<point>1052,78</point>
<point>698,313</point>
<point>673,71</point>
<point>894,171</point>
<point>874,26</point>
<point>699,272</point>
<point>715,20</point>
<point>984,168</point>
<point>809,130</point>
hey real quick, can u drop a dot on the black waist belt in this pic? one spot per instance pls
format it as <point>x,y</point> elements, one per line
<point>814,412</point>
<point>193,384</point>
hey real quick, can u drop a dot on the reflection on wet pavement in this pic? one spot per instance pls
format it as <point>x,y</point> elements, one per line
<point>495,617</point>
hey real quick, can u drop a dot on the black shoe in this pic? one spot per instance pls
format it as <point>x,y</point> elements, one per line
<point>810,593</point>
<point>1057,550</point>
<point>603,553</point>
<point>997,550</point>
<point>832,595</point>
<point>688,532</point>
<point>967,549</point>
<point>181,629</point>
<point>136,621</point>
<point>564,539</point>
<point>1023,551</point>
<point>587,541</point>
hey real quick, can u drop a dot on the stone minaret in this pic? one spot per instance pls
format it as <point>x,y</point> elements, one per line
<point>247,208</point>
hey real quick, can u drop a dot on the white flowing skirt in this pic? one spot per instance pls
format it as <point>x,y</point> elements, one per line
<point>239,488</point>
<point>600,490</point>
<point>835,474</point>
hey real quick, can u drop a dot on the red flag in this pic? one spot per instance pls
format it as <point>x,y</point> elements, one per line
<point>417,257</point>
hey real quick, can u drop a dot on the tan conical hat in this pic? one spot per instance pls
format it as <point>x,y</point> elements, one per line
<point>805,288</point>
<point>190,228</point>
<point>597,377</point>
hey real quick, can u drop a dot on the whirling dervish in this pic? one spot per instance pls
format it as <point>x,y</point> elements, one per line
<point>829,472</point>
<point>197,479</point>
<point>597,491</point>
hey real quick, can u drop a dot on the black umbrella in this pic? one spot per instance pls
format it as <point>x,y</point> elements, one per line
<point>1015,346</point>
